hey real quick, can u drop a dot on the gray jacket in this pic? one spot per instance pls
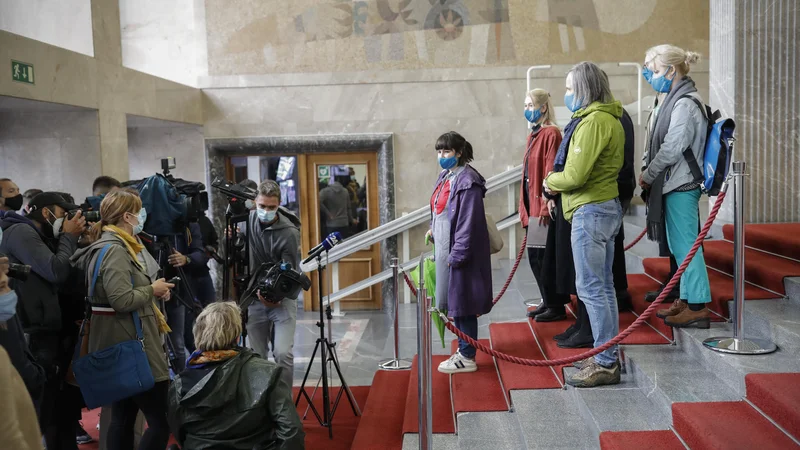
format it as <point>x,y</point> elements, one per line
<point>334,202</point>
<point>688,127</point>
<point>278,242</point>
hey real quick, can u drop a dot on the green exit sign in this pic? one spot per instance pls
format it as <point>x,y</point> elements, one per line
<point>22,72</point>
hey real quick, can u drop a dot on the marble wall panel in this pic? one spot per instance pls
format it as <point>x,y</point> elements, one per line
<point>65,23</point>
<point>147,145</point>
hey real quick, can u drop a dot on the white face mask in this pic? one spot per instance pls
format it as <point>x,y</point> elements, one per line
<point>57,225</point>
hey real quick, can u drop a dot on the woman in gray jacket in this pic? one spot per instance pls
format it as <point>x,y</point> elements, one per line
<point>678,124</point>
<point>124,286</point>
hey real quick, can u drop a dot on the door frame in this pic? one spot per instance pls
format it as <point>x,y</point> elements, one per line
<point>217,149</point>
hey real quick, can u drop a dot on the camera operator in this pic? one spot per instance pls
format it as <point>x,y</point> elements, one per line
<point>273,238</point>
<point>46,240</point>
<point>10,197</point>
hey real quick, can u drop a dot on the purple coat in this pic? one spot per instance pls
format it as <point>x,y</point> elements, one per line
<point>470,289</point>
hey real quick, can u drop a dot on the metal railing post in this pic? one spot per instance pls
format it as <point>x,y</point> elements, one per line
<point>396,363</point>
<point>406,258</point>
<point>424,351</point>
<point>738,344</point>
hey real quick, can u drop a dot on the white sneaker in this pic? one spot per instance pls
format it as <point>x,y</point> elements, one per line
<point>458,364</point>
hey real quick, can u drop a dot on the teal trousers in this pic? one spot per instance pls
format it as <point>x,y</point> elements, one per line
<point>682,216</point>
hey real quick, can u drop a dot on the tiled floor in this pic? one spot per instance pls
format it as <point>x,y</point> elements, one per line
<point>363,339</point>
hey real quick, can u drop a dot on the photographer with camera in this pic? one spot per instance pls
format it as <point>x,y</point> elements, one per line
<point>124,286</point>
<point>46,239</point>
<point>273,237</point>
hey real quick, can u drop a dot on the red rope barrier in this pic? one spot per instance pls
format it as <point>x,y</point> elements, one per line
<point>617,339</point>
<point>636,241</point>
<point>513,270</point>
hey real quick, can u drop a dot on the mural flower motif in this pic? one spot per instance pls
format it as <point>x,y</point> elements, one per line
<point>390,23</point>
<point>450,26</point>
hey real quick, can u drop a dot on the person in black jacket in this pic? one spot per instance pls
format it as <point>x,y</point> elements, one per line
<point>626,182</point>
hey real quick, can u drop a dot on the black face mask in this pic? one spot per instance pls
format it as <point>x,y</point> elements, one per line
<point>14,203</point>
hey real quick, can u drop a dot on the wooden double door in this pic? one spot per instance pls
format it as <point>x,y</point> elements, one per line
<point>332,192</point>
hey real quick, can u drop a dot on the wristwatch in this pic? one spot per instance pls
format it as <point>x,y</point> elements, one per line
<point>188,260</point>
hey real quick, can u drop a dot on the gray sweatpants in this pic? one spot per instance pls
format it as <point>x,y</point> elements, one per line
<point>260,324</point>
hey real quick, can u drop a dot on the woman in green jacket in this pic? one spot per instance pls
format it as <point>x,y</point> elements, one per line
<point>123,286</point>
<point>585,174</point>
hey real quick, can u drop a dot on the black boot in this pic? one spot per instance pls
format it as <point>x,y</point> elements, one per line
<point>552,315</point>
<point>574,328</point>
<point>624,300</point>
<point>539,310</point>
<point>581,339</point>
<point>651,296</point>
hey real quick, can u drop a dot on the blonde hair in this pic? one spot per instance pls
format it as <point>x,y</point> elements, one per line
<point>218,326</point>
<point>670,55</point>
<point>113,208</point>
<point>541,97</point>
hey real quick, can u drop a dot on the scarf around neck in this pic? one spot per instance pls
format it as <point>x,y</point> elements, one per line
<point>655,198</point>
<point>563,149</point>
<point>134,248</point>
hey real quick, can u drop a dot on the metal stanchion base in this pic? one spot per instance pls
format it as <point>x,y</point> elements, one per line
<point>395,364</point>
<point>532,302</point>
<point>739,346</point>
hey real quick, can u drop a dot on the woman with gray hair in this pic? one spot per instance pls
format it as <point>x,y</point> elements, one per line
<point>678,124</point>
<point>585,174</point>
<point>228,396</point>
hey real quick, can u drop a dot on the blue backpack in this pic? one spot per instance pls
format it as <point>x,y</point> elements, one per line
<point>718,150</point>
<point>165,206</point>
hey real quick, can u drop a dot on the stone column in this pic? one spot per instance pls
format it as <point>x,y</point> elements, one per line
<point>114,144</point>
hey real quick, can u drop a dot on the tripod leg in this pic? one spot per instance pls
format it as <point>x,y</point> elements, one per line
<point>350,397</point>
<point>313,393</point>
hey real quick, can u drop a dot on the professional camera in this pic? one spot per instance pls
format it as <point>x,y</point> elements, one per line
<point>171,203</point>
<point>18,271</point>
<point>90,216</point>
<point>236,193</point>
<point>275,282</point>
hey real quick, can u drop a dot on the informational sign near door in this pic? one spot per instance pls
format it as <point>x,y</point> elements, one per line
<point>323,172</point>
<point>22,72</point>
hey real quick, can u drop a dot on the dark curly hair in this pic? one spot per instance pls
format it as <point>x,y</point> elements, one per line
<point>454,141</point>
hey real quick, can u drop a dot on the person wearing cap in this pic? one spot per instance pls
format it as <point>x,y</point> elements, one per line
<point>44,239</point>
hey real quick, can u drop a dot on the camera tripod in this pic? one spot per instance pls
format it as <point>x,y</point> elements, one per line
<point>327,351</point>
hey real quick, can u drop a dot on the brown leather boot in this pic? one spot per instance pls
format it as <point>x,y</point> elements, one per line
<point>688,318</point>
<point>676,308</point>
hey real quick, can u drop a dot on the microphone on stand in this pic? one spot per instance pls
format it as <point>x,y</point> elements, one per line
<point>329,242</point>
<point>212,252</point>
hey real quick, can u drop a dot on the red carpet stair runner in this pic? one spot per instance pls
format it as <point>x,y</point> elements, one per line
<point>774,253</point>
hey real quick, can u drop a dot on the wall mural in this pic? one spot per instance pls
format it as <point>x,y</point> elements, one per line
<point>299,35</point>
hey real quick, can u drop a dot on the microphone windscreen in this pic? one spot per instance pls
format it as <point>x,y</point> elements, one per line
<point>332,239</point>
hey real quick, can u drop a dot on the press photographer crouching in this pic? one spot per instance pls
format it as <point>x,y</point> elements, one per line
<point>124,292</point>
<point>229,397</point>
<point>46,239</point>
<point>274,237</point>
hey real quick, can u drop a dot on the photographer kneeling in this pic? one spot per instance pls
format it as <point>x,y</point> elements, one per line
<point>124,286</point>
<point>228,397</point>
<point>273,238</point>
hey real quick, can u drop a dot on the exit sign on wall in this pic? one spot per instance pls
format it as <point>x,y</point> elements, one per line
<point>22,72</point>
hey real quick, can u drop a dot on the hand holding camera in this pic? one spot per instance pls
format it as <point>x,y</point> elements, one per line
<point>75,225</point>
<point>266,302</point>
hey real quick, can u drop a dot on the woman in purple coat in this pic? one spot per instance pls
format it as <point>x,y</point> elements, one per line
<point>461,240</point>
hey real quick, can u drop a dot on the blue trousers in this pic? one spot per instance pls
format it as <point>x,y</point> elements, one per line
<point>469,326</point>
<point>682,216</point>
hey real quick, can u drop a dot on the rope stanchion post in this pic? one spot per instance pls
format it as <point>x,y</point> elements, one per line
<point>738,344</point>
<point>396,363</point>
<point>424,363</point>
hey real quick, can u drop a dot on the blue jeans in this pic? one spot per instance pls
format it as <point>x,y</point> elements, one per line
<point>469,326</point>
<point>682,217</point>
<point>594,228</point>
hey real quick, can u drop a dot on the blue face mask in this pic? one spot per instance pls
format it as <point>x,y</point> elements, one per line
<point>533,116</point>
<point>141,217</point>
<point>647,74</point>
<point>571,104</point>
<point>266,216</point>
<point>448,163</point>
<point>662,84</point>
<point>8,306</point>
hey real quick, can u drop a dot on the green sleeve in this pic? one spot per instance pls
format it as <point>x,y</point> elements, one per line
<point>589,140</point>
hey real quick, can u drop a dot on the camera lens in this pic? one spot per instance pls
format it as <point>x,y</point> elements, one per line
<point>18,271</point>
<point>92,216</point>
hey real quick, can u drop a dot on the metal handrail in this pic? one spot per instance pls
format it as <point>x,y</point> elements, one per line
<point>397,226</point>
<point>408,266</point>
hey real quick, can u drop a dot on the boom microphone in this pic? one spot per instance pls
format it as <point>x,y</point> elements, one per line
<point>330,241</point>
<point>212,252</point>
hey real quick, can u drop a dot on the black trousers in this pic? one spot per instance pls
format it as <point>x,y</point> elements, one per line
<point>618,269</point>
<point>153,405</point>
<point>550,297</point>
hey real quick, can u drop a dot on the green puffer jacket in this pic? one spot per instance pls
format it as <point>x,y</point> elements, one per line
<point>237,404</point>
<point>595,157</point>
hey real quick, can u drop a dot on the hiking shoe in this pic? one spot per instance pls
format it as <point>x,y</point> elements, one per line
<point>674,309</point>
<point>582,364</point>
<point>551,315</point>
<point>651,296</point>
<point>538,310</point>
<point>567,333</point>
<point>81,436</point>
<point>458,363</point>
<point>577,340</point>
<point>595,375</point>
<point>690,319</point>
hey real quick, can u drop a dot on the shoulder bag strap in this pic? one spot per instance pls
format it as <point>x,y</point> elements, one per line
<point>137,322</point>
<point>88,313</point>
<point>688,154</point>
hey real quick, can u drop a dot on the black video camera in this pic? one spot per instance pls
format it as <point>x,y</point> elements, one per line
<point>90,216</point>
<point>275,282</point>
<point>18,271</point>
<point>236,194</point>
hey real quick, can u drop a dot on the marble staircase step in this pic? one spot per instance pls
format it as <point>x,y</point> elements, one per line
<point>792,285</point>
<point>666,374</point>
<point>440,441</point>
<point>777,320</point>
<point>495,430</point>
<point>550,419</point>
